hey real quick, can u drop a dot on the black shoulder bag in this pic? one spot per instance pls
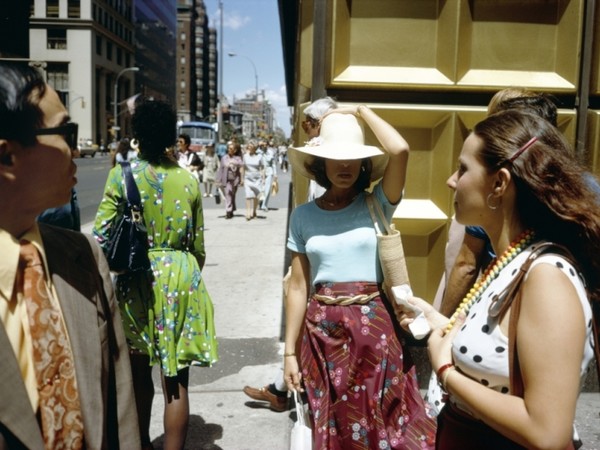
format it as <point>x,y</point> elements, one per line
<point>128,243</point>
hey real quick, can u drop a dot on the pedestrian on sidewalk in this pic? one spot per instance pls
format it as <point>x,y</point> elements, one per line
<point>362,387</point>
<point>270,165</point>
<point>230,175</point>
<point>209,172</point>
<point>167,311</point>
<point>254,176</point>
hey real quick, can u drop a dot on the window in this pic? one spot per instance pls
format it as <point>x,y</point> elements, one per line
<point>74,9</point>
<point>98,45</point>
<point>119,56</point>
<point>109,48</point>
<point>51,8</point>
<point>57,38</point>
<point>58,76</point>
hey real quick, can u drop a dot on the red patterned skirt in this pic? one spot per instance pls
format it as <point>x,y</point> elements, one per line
<point>363,393</point>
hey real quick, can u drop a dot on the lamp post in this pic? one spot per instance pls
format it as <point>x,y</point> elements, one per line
<point>220,100</point>
<point>115,127</point>
<point>231,54</point>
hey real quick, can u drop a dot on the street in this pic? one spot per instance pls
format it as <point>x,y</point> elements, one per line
<point>91,177</point>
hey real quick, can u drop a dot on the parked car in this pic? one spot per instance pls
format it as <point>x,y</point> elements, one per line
<point>87,147</point>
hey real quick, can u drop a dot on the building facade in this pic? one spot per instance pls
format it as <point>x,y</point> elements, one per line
<point>257,116</point>
<point>84,45</point>
<point>155,40</point>
<point>196,63</point>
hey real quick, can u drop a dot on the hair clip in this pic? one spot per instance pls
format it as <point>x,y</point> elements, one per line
<point>528,144</point>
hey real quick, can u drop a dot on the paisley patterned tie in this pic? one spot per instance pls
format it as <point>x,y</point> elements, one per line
<point>59,409</point>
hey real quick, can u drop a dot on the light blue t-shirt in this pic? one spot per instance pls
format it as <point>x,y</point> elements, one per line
<point>340,245</point>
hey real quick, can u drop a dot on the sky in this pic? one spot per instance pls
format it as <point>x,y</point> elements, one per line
<point>251,30</point>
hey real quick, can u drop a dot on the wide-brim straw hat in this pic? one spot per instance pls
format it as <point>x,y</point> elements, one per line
<point>342,137</point>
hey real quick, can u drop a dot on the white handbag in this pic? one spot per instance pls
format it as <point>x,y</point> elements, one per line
<point>301,436</point>
<point>435,396</point>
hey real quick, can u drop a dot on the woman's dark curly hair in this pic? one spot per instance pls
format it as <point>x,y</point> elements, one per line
<point>317,168</point>
<point>154,126</point>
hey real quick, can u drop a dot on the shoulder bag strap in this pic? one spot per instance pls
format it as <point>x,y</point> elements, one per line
<point>132,194</point>
<point>377,215</point>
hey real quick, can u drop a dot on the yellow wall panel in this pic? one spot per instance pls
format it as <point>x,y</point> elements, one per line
<point>593,141</point>
<point>456,44</point>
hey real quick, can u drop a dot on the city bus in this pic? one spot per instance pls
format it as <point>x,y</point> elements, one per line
<point>201,133</point>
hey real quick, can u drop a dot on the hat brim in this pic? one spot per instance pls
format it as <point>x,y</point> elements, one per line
<point>301,157</point>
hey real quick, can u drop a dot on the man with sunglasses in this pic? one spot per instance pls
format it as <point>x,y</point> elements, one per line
<point>78,361</point>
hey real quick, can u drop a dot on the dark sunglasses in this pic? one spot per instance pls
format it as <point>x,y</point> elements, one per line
<point>68,131</point>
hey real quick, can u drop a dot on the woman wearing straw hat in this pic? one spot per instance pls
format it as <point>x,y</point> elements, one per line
<point>362,388</point>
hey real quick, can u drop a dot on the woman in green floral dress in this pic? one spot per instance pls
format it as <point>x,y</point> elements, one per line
<point>167,313</point>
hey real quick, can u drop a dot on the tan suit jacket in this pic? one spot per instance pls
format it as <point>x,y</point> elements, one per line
<point>82,281</point>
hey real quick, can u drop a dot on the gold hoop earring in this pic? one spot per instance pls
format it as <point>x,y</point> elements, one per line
<point>134,144</point>
<point>487,201</point>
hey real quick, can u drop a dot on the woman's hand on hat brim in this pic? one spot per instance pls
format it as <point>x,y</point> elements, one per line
<point>344,110</point>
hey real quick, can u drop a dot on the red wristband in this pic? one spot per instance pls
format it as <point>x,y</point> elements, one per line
<point>442,369</point>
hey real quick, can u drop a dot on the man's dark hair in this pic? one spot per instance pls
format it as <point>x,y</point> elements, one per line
<point>154,126</point>
<point>21,88</point>
<point>186,138</point>
<point>541,105</point>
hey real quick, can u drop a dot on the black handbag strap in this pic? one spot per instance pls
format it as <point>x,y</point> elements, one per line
<point>132,194</point>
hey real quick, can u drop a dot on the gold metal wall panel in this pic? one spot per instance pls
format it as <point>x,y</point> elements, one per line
<point>399,43</point>
<point>455,44</point>
<point>595,63</point>
<point>305,52</point>
<point>533,44</point>
<point>593,141</point>
<point>424,259</point>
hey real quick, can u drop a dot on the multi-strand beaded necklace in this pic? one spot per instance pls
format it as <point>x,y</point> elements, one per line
<point>492,271</point>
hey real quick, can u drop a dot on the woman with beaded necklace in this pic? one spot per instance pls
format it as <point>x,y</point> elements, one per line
<point>518,180</point>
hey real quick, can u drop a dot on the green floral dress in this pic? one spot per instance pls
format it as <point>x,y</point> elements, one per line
<point>167,313</point>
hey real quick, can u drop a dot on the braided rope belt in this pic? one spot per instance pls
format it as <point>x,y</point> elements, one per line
<point>345,300</point>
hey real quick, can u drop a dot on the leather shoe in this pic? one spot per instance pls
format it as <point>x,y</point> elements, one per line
<point>276,402</point>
